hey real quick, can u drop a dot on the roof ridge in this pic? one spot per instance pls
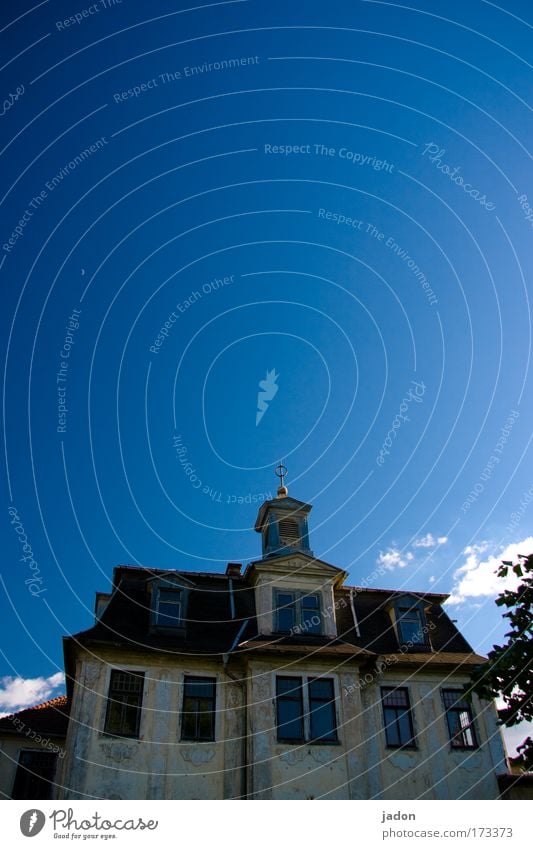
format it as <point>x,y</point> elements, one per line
<point>56,702</point>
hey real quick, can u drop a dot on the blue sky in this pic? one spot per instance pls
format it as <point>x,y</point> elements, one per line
<point>336,194</point>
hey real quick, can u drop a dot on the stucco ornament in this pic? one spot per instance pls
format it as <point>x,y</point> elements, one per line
<point>118,752</point>
<point>197,756</point>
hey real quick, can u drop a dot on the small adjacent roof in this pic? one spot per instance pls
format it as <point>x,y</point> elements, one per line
<point>50,718</point>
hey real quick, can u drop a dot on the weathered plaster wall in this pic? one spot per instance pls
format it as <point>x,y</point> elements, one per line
<point>433,770</point>
<point>360,766</point>
<point>157,765</point>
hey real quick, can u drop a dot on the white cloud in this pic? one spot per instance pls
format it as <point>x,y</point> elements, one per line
<point>19,693</point>
<point>477,577</point>
<point>392,558</point>
<point>429,541</point>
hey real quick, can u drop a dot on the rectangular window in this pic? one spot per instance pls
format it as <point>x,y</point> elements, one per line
<point>397,717</point>
<point>35,775</point>
<point>410,626</point>
<point>198,715</point>
<point>460,720</point>
<point>124,703</point>
<point>287,614</point>
<point>297,613</point>
<point>290,709</point>
<point>305,712</point>
<point>323,725</point>
<point>169,604</point>
<point>310,615</point>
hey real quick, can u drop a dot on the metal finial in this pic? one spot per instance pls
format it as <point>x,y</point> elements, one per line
<point>281,471</point>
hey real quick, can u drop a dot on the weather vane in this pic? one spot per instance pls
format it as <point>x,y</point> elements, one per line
<point>281,471</point>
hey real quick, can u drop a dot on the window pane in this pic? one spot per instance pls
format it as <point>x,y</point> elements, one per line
<point>404,726</point>
<point>130,715</point>
<point>126,682</point>
<point>290,724</point>
<point>392,732</point>
<point>311,621</point>
<point>411,626</point>
<point>123,712</point>
<point>289,685</point>
<point>206,724</point>
<point>323,725</point>
<point>393,697</point>
<point>173,596</point>
<point>311,602</point>
<point>397,716</point>
<point>289,708</point>
<point>455,698</point>
<point>321,688</point>
<point>198,714</point>
<point>169,614</point>
<point>286,618</point>
<point>201,688</point>
<point>169,608</point>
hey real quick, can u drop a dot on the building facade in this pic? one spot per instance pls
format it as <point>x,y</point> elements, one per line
<point>277,681</point>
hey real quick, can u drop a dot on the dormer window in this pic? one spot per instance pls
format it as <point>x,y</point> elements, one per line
<point>297,612</point>
<point>410,625</point>
<point>169,608</point>
<point>169,599</point>
<point>289,532</point>
<point>409,619</point>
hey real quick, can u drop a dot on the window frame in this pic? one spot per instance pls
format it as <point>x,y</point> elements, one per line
<point>110,700</point>
<point>305,700</point>
<point>400,710</point>
<point>300,604</point>
<point>178,591</point>
<point>187,678</point>
<point>407,607</point>
<point>25,776</point>
<point>452,709</point>
<point>169,584</point>
<point>409,614</point>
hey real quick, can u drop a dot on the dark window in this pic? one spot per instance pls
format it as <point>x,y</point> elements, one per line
<point>323,725</point>
<point>287,614</point>
<point>35,775</point>
<point>310,614</point>
<point>460,720</point>
<point>397,717</point>
<point>169,608</point>
<point>305,714</point>
<point>297,613</point>
<point>411,626</point>
<point>124,703</point>
<point>198,716</point>
<point>290,713</point>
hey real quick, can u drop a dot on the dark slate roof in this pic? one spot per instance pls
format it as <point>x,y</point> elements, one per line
<point>377,632</point>
<point>211,630</point>
<point>49,718</point>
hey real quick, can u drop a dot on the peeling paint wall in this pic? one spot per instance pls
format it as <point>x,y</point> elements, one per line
<point>158,765</point>
<point>433,770</point>
<point>360,766</point>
